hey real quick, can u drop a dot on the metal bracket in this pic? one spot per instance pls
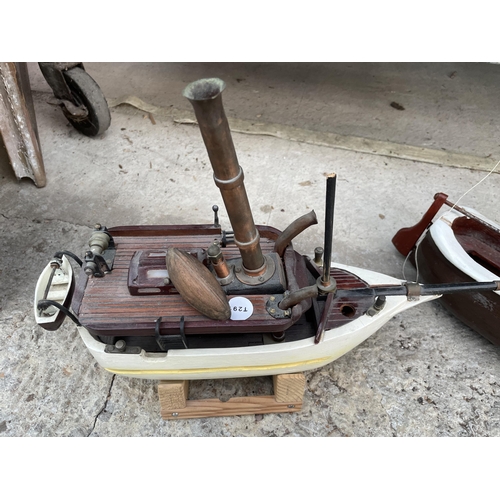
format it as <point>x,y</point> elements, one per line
<point>414,291</point>
<point>100,267</point>
<point>273,309</point>
<point>96,264</point>
<point>121,347</point>
<point>53,73</point>
<point>166,342</point>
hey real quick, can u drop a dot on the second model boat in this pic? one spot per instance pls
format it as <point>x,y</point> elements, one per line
<point>459,246</point>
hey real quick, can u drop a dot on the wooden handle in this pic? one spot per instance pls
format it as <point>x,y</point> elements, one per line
<point>405,239</point>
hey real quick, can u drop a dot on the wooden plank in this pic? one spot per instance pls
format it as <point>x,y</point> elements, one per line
<point>214,407</point>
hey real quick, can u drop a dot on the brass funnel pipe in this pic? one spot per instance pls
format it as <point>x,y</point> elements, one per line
<point>206,98</point>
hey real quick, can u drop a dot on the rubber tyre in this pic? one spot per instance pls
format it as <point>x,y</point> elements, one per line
<point>86,91</point>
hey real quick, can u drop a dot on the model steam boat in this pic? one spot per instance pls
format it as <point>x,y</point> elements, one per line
<point>196,301</point>
<point>460,246</point>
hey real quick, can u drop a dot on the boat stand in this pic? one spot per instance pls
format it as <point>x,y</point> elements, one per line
<point>287,398</point>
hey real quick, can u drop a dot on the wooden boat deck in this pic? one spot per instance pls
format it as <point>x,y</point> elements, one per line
<point>106,307</point>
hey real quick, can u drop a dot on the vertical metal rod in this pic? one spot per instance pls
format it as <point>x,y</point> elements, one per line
<point>331,182</point>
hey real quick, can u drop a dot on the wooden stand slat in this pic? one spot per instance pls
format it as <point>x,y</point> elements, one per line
<point>287,398</point>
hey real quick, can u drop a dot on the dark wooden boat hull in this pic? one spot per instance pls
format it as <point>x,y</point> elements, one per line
<point>478,310</point>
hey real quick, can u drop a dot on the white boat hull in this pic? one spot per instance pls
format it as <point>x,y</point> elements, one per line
<point>254,361</point>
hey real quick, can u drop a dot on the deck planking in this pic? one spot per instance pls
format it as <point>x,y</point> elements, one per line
<point>107,307</point>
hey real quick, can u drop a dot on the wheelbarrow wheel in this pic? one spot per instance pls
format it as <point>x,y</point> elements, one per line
<point>86,92</point>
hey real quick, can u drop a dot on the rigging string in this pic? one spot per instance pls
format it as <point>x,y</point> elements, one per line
<point>454,205</point>
<point>416,261</point>
<point>475,186</point>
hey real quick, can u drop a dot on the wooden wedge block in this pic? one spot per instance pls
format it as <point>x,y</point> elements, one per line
<point>173,394</point>
<point>289,388</point>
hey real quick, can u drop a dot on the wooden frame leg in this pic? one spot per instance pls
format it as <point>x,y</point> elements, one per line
<point>173,394</point>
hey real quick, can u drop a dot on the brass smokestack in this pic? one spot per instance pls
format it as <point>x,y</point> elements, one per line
<point>205,96</point>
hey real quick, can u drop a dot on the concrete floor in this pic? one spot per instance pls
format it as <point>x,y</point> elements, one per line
<point>423,374</point>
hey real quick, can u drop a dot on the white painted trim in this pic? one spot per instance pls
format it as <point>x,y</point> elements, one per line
<point>448,245</point>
